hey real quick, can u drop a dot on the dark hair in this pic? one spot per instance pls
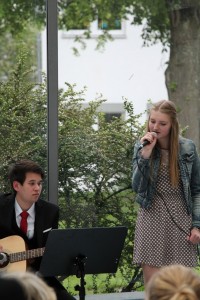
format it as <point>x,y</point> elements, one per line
<point>24,285</point>
<point>17,171</point>
<point>11,289</point>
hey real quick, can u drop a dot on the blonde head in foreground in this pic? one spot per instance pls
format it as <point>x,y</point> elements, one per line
<point>174,282</point>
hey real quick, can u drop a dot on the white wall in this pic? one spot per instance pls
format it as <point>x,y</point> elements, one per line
<point>124,69</point>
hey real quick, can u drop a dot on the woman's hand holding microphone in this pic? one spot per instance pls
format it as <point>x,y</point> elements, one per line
<point>147,144</point>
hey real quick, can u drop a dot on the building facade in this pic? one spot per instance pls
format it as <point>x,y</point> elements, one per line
<point>125,69</point>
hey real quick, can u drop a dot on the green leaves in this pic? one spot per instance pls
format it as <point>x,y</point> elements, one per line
<point>15,15</point>
<point>95,157</point>
<point>78,14</point>
<point>23,118</point>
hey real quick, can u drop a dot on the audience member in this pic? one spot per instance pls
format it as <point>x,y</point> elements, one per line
<point>24,286</point>
<point>166,178</point>
<point>174,282</point>
<point>24,213</point>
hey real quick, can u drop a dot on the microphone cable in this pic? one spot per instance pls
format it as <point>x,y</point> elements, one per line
<point>161,196</point>
<point>168,211</point>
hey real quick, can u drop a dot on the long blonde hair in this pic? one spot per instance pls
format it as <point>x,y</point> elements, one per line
<point>168,108</point>
<point>173,282</point>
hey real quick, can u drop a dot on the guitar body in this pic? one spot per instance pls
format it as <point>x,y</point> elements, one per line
<point>12,244</point>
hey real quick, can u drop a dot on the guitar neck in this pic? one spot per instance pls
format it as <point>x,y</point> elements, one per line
<point>24,255</point>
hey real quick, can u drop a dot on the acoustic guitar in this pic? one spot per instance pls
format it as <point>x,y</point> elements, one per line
<point>16,261</point>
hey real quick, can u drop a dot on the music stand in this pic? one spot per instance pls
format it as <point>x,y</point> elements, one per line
<point>83,251</point>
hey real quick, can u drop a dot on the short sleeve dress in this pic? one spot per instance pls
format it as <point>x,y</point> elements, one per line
<point>161,230</point>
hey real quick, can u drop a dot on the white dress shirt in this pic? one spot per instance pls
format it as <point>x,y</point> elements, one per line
<point>30,219</point>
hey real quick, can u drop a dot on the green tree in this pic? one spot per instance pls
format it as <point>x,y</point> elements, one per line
<point>23,119</point>
<point>102,191</point>
<point>94,164</point>
<point>12,45</point>
<point>175,23</point>
<point>95,171</point>
<point>15,15</point>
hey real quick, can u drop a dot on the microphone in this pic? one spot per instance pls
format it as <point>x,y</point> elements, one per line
<point>146,142</point>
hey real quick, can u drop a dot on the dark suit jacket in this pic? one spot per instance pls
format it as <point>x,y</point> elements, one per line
<point>46,218</point>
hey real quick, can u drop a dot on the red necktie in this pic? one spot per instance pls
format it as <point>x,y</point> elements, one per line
<point>23,224</point>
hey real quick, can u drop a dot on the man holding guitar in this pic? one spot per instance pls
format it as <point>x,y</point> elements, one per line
<point>24,217</point>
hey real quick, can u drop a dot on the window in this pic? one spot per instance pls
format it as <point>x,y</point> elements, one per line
<point>104,25</point>
<point>116,29</point>
<point>109,116</point>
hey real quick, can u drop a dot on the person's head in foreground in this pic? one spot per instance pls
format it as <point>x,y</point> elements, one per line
<point>173,282</point>
<point>24,286</point>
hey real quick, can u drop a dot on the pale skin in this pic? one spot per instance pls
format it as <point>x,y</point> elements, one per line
<point>29,192</point>
<point>160,123</point>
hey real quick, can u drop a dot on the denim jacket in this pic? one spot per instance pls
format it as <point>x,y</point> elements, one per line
<point>189,166</point>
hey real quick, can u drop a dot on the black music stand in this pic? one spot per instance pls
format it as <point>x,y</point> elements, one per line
<point>83,251</point>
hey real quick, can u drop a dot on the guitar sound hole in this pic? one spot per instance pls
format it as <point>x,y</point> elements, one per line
<point>4,259</point>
